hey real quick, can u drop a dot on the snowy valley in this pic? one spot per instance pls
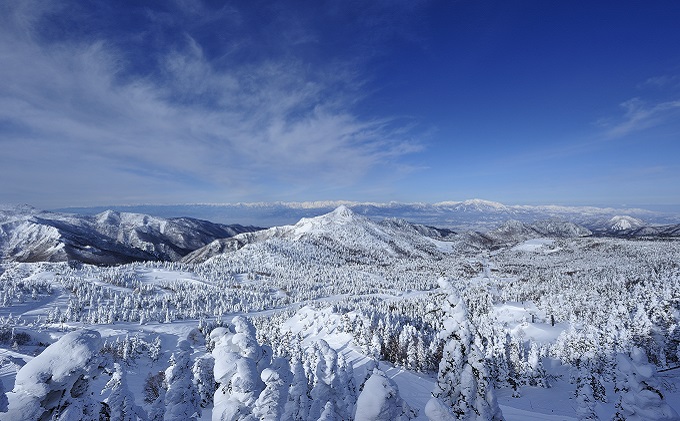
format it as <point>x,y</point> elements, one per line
<point>340,317</point>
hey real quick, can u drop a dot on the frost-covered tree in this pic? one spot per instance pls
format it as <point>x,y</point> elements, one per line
<point>327,387</point>
<point>346,382</point>
<point>536,372</point>
<point>297,407</point>
<point>120,402</point>
<point>585,409</point>
<point>463,389</point>
<point>55,385</point>
<point>641,398</point>
<point>270,405</point>
<point>324,374</point>
<point>157,409</point>
<point>204,379</point>
<point>182,400</point>
<point>380,401</point>
<point>236,355</point>
<point>155,349</point>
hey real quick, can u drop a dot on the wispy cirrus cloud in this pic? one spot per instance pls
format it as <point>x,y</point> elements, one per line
<point>82,118</point>
<point>640,115</point>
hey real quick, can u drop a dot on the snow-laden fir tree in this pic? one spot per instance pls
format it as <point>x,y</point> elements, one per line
<point>237,354</point>
<point>380,401</point>
<point>157,409</point>
<point>182,401</point>
<point>271,404</point>
<point>641,397</point>
<point>120,402</point>
<point>346,382</point>
<point>585,409</point>
<point>464,390</point>
<point>325,378</point>
<point>297,407</point>
<point>55,385</point>
<point>204,379</point>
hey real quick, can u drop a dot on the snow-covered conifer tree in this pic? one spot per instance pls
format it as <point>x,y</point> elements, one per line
<point>236,370</point>
<point>204,379</point>
<point>182,400</point>
<point>325,374</point>
<point>463,389</point>
<point>270,405</point>
<point>121,402</point>
<point>380,401</point>
<point>3,398</point>
<point>297,407</point>
<point>536,372</point>
<point>585,401</point>
<point>328,413</point>
<point>346,382</point>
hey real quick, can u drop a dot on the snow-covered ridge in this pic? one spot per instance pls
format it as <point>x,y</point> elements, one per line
<point>110,237</point>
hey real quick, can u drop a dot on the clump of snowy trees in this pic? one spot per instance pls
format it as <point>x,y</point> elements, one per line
<point>239,380</point>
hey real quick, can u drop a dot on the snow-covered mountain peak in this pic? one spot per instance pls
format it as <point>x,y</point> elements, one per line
<point>108,217</point>
<point>342,215</point>
<point>481,205</point>
<point>624,222</point>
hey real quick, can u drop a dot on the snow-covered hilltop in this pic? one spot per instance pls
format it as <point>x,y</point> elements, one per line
<point>341,230</point>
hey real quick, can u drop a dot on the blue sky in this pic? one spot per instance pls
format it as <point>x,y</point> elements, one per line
<point>527,102</point>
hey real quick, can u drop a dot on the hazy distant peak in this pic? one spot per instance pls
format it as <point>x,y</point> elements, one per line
<point>624,222</point>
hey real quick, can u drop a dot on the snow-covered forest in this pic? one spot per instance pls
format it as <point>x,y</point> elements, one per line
<point>343,318</point>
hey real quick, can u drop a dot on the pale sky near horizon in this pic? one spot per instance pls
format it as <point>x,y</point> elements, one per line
<point>184,101</point>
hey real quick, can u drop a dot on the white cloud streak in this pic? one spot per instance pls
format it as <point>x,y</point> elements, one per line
<point>640,115</point>
<point>74,123</point>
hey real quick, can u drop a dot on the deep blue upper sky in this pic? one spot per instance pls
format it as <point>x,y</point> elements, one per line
<point>181,101</point>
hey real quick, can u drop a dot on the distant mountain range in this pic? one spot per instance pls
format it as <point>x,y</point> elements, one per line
<point>113,237</point>
<point>473,214</point>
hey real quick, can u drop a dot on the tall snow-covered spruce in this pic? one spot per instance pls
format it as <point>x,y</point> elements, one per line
<point>120,404</point>
<point>464,390</point>
<point>182,401</point>
<point>237,354</point>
